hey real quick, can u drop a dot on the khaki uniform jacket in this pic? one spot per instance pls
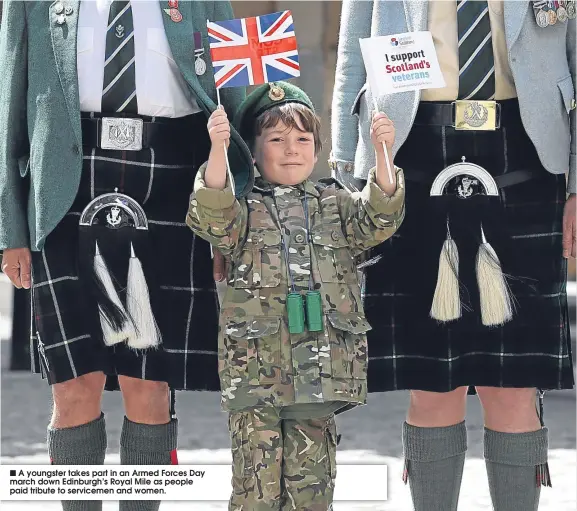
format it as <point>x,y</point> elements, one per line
<point>260,362</point>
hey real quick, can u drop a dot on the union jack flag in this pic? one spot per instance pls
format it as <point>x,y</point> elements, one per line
<point>251,51</point>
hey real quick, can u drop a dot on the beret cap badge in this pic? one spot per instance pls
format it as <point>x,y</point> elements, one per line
<point>276,93</point>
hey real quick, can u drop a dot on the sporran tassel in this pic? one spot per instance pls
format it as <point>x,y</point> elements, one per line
<point>543,475</point>
<point>147,334</point>
<point>112,333</point>
<point>446,304</point>
<point>542,471</point>
<point>495,297</point>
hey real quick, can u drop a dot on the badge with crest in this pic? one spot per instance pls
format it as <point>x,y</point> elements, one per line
<point>113,257</point>
<point>466,192</point>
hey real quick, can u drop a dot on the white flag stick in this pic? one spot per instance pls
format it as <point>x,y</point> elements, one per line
<point>224,145</point>
<point>384,147</point>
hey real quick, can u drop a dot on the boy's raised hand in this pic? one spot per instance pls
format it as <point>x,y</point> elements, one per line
<point>219,128</point>
<point>382,130</point>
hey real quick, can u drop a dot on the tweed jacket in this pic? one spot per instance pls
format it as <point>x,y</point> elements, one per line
<point>40,129</point>
<point>542,61</point>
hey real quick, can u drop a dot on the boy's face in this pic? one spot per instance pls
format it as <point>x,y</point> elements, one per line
<point>285,156</point>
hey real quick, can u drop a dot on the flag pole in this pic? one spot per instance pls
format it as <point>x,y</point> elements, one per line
<point>224,145</point>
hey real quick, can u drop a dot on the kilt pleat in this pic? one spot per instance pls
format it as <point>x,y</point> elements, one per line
<point>67,337</point>
<point>410,350</point>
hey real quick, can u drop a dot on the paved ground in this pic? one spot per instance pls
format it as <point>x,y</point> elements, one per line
<point>369,435</point>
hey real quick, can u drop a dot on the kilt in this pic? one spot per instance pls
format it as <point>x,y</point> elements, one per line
<point>67,338</point>
<point>410,350</point>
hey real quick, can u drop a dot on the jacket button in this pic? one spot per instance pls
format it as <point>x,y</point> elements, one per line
<point>75,149</point>
<point>299,238</point>
<point>335,236</point>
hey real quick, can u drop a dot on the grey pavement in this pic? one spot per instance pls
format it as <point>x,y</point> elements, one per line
<point>369,433</point>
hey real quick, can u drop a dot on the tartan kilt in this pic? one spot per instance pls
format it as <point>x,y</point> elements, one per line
<point>410,350</point>
<point>66,339</point>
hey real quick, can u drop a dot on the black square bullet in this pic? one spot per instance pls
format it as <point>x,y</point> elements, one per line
<point>12,473</point>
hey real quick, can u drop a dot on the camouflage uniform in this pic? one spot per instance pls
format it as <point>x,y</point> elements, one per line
<point>284,464</point>
<point>263,369</point>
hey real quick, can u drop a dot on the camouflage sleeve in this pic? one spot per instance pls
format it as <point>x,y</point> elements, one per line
<point>216,215</point>
<point>369,216</point>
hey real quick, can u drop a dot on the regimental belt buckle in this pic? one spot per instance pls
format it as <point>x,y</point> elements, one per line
<point>121,133</point>
<point>476,115</point>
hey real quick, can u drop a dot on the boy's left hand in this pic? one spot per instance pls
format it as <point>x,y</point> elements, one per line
<point>382,131</point>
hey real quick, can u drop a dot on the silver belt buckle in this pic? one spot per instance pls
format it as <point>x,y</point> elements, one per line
<point>121,133</point>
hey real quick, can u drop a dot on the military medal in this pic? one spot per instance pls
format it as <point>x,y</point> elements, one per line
<point>570,7</point>
<point>173,11</point>
<point>542,18</point>
<point>541,15</point>
<point>552,17</point>
<point>199,63</point>
<point>562,14</point>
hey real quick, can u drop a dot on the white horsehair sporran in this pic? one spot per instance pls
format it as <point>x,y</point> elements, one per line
<point>110,225</point>
<point>463,181</point>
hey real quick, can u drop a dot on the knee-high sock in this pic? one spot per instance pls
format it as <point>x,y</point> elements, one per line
<point>512,460</point>
<point>79,445</point>
<point>146,444</point>
<point>434,460</point>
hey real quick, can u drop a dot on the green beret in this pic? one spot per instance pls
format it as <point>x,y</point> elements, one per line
<point>264,98</point>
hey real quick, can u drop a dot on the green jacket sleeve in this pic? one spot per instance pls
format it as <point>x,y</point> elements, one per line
<point>216,215</point>
<point>369,216</point>
<point>14,147</point>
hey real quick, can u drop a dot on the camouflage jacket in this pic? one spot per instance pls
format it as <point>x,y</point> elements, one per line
<point>260,363</point>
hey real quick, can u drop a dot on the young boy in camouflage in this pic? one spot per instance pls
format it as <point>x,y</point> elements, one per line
<point>291,246</point>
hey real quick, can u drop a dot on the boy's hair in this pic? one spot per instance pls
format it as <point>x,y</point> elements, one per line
<point>288,113</point>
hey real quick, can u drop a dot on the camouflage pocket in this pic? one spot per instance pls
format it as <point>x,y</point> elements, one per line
<point>349,352</point>
<point>240,364</point>
<point>253,349</point>
<point>239,426</point>
<point>331,251</point>
<point>260,262</point>
<point>266,336</point>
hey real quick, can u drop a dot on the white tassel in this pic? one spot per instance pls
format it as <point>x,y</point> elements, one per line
<point>496,301</point>
<point>446,301</point>
<point>147,334</point>
<point>110,335</point>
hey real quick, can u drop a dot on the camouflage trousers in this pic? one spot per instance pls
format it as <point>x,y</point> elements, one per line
<point>282,464</point>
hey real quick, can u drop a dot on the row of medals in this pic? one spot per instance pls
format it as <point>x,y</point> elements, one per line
<point>548,12</point>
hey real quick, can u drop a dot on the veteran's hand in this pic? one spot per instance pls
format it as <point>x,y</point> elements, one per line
<point>219,128</point>
<point>569,222</point>
<point>218,265</point>
<point>16,266</point>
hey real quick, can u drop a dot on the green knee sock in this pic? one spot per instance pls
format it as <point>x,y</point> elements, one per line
<point>434,459</point>
<point>513,461</point>
<point>146,444</point>
<point>79,445</point>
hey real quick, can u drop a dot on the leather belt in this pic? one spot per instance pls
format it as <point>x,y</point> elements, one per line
<point>469,115</point>
<point>136,133</point>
